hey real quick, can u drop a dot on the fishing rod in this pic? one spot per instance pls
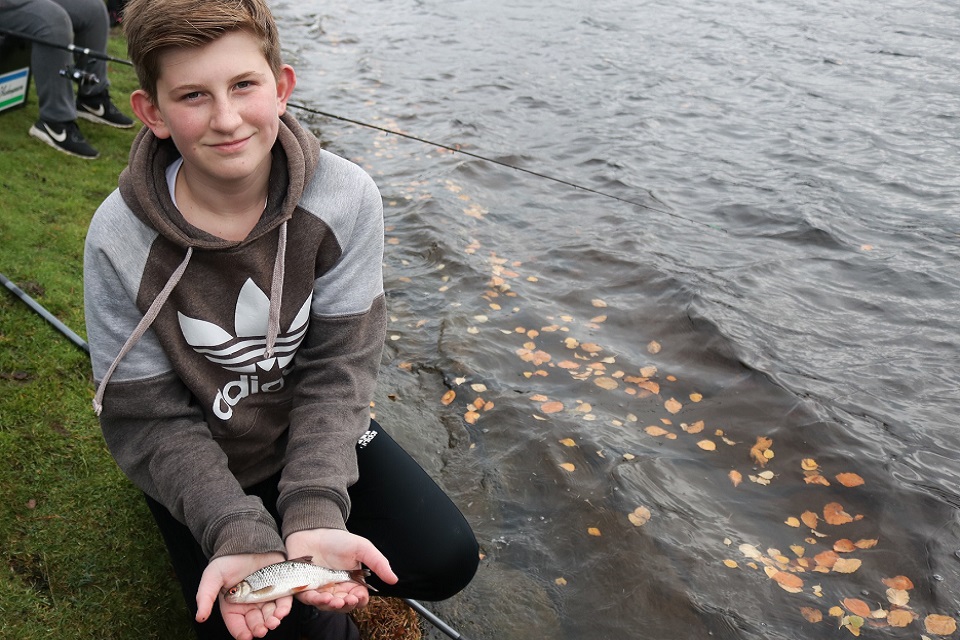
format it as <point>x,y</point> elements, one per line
<point>83,51</point>
<point>80,342</point>
<point>501,163</point>
<point>46,315</point>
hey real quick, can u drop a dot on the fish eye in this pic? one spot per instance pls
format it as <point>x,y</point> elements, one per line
<point>233,591</point>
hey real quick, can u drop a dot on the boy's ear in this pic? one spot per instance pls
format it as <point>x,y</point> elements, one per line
<point>286,82</point>
<point>145,108</point>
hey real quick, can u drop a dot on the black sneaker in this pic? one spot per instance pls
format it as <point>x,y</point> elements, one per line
<point>64,136</point>
<point>101,110</point>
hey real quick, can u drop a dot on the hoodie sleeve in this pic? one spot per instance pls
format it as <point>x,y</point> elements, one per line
<point>337,365</point>
<point>151,424</point>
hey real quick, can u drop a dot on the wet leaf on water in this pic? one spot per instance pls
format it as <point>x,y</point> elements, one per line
<point>707,445</point>
<point>732,564</point>
<point>826,559</point>
<point>597,302</point>
<point>672,405</point>
<point>789,582</point>
<point>650,386</point>
<point>847,565</point>
<point>648,371</point>
<point>815,478</point>
<point>539,397</point>
<point>857,607</point>
<point>568,442</point>
<point>811,614</point>
<point>591,348</point>
<point>606,383</point>
<point>809,464</point>
<point>836,612</point>
<point>834,514</point>
<point>898,597</point>
<point>593,531</point>
<point>552,406</point>
<point>761,452</point>
<point>810,519</point>
<point>598,319</point>
<point>798,550</point>
<point>655,431</point>
<point>736,477</point>
<point>866,544</point>
<point>471,417</point>
<point>940,625</point>
<point>628,456</point>
<point>849,479</point>
<point>900,618</point>
<point>479,387</point>
<point>561,582</point>
<point>639,517</point>
<point>695,397</point>
<point>448,397</point>
<point>852,624</point>
<point>844,546</point>
<point>696,427</point>
<point>568,466</point>
<point>569,365</point>
<point>898,582</point>
<point>792,522</point>
<point>654,347</point>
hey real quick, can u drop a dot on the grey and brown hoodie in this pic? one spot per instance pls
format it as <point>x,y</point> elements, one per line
<point>221,363</point>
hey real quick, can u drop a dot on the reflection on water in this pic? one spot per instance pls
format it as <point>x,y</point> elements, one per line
<point>607,357</point>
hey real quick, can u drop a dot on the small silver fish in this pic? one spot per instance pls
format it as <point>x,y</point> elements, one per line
<point>287,578</point>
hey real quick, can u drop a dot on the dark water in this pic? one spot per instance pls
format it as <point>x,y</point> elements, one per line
<point>794,254</point>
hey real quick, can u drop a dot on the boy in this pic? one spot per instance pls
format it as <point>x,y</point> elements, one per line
<point>236,318</point>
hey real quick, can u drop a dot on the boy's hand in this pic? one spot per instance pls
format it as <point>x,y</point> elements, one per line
<point>244,621</point>
<point>338,549</point>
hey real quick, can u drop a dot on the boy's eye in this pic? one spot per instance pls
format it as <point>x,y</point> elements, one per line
<point>193,95</point>
<point>243,84</point>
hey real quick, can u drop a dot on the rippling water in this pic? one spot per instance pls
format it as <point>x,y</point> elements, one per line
<point>792,250</point>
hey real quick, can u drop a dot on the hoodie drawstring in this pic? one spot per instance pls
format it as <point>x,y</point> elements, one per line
<point>276,292</point>
<point>141,328</point>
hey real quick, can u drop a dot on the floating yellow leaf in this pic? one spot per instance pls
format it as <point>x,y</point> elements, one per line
<point>899,618</point>
<point>844,546</point>
<point>809,464</point>
<point>731,564</point>
<point>695,397</point>
<point>836,612</point>
<point>471,417</point>
<point>792,522</point>
<point>940,625</point>
<point>448,397</point>
<point>849,479</point>
<point>597,302</point>
<point>591,347</point>
<point>654,347</point>
<point>815,478</point>
<point>553,406</point>
<point>672,405</point>
<point>696,427</point>
<point>826,559</point>
<point>539,398</point>
<point>736,477</point>
<point>648,371</point>
<point>866,544</point>
<point>788,581</point>
<point>857,607</point>
<point>568,466</point>
<point>656,431</point>
<point>811,614</point>
<point>810,519</point>
<point>567,364</point>
<point>847,565</point>
<point>594,532</point>
<point>899,582</point>
<point>568,442</point>
<point>833,513</point>
<point>628,456</point>
<point>650,386</point>
<point>759,451</point>
<point>798,550</point>
<point>639,517</point>
<point>560,582</point>
<point>606,383</point>
<point>898,597</point>
<point>707,445</point>
<point>599,319</point>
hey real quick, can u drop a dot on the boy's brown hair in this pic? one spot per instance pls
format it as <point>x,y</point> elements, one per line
<point>152,26</point>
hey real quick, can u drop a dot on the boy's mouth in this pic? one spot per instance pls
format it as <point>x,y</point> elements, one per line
<point>231,145</point>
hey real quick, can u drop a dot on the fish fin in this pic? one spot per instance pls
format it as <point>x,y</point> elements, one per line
<point>263,591</point>
<point>307,559</point>
<point>358,575</point>
<point>299,589</point>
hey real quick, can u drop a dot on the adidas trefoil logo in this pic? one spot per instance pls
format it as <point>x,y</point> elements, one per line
<point>245,353</point>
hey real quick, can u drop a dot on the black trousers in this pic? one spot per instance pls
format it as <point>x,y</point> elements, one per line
<point>395,505</point>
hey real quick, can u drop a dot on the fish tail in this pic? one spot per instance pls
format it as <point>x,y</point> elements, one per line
<point>359,576</point>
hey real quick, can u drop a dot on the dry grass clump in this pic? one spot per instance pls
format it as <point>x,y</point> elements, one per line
<point>387,619</point>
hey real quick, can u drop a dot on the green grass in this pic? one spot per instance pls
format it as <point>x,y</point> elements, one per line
<point>81,557</point>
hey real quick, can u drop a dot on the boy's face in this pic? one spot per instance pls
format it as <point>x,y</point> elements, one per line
<point>220,103</point>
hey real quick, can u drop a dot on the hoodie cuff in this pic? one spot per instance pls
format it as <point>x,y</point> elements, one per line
<point>242,534</point>
<point>311,512</point>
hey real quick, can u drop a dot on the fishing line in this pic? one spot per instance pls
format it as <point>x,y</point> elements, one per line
<point>503,164</point>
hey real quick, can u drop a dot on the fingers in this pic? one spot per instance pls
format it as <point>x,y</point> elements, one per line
<point>210,583</point>
<point>370,556</point>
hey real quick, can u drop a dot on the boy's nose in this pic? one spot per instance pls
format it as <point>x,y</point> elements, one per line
<point>226,116</point>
